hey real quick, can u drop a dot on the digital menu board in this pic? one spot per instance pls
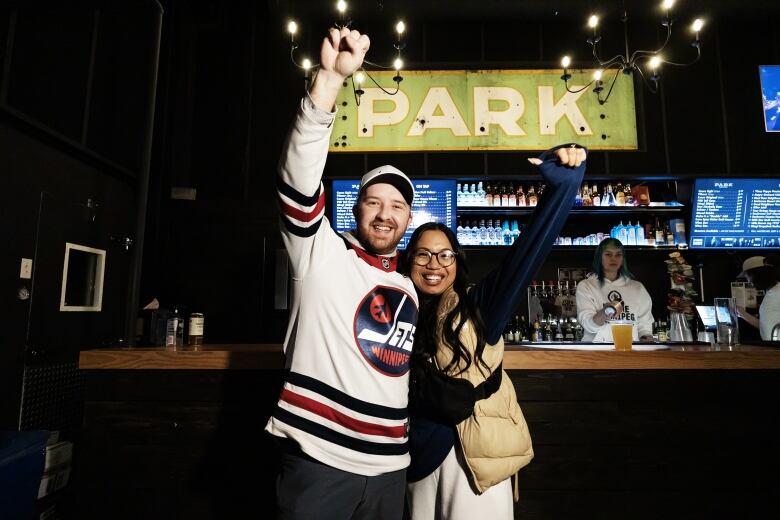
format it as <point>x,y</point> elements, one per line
<point>736,213</point>
<point>434,201</point>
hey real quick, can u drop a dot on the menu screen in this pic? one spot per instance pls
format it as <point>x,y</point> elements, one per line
<point>736,213</point>
<point>434,201</point>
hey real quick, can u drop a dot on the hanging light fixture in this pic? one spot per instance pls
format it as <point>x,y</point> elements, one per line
<point>639,61</point>
<point>359,78</point>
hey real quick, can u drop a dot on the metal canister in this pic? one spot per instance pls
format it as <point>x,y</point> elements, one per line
<point>195,335</point>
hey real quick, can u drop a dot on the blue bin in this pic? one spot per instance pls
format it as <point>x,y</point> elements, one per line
<point>22,455</point>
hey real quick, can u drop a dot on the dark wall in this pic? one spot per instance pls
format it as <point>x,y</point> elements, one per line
<point>73,100</point>
<point>231,90</point>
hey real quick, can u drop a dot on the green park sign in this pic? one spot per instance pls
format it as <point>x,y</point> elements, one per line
<point>442,110</point>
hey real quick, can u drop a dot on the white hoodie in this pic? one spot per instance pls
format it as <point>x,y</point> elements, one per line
<point>637,306</point>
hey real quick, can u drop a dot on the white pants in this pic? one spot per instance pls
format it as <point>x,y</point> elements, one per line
<point>446,494</point>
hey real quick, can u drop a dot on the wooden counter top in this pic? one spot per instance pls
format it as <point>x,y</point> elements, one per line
<point>517,357</point>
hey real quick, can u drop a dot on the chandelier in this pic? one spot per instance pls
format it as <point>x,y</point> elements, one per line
<point>638,61</point>
<point>359,78</point>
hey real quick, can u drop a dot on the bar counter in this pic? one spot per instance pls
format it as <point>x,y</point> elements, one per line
<point>550,356</point>
<point>682,432</point>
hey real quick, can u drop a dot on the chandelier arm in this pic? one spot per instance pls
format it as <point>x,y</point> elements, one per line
<point>292,58</point>
<point>566,84</point>
<point>698,56</point>
<point>397,88</point>
<point>611,86</point>
<point>354,91</point>
<point>377,65</point>
<point>640,52</point>
<point>652,88</point>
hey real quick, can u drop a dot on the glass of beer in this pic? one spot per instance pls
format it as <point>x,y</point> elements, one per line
<point>622,333</point>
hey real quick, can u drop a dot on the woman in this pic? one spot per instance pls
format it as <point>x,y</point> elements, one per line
<point>460,468</point>
<point>764,274</point>
<point>611,292</point>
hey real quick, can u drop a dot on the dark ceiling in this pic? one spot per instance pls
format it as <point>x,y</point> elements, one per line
<point>522,9</point>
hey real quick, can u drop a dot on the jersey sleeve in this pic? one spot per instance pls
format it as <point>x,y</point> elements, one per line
<point>499,294</point>
<point>299,187</point>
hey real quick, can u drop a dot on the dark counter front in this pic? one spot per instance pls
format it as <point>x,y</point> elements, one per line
<point>679,433</point>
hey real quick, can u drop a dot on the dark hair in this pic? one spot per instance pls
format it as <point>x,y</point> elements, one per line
<point>597,267</point>
<point>425,339</point>
<point>766,276</point>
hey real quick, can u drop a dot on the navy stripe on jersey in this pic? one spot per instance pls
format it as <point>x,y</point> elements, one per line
<point>301,231</point>
<point>325,433</point>
<point>295,195</point>
<point>346,400</point>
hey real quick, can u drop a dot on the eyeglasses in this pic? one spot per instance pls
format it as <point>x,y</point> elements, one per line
<point>446,257</point>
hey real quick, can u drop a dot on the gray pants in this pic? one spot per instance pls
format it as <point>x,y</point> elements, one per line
<point>307,489</point>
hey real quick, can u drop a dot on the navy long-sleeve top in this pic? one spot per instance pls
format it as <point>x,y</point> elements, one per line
<point>500,292</point>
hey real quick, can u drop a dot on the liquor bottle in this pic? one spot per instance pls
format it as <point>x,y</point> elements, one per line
<point>586,200</point>
<point>488,195</point>
<point>482,240</point>
<point>568,330</point>
<point>536,334</point>
<point>629,196</point>
<point>471,197</point>
<point>640,234</point>
<point>520,196</point>
<point>609,197</point>
<point>558,335</point>
<point>668,234</point>
<point>459,232</point>
<point>578,200</point>
<point>524,335</point>
<point>506,233</point>
<point>531,197</point>
<point>174,330</point>
<point>578,330</point>
<point>474,234</point>
<point>595,196</point>
<point>507,333</point>
<point>660,239</point>
<point>620,195</point>
<point>481,196</point>
<point>649,234</point>
<point>622,234</point>
<point>459,195</point>
<point>512,196</point>
<point>631,234</point>
<point>515,231</point>
<point>504,196</point>
<point>546,331</point>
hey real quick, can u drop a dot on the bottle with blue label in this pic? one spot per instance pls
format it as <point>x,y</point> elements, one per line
<point>459,232</point>
<point>515,231</point>
<point>622,233</point>
<point>631,234</point>
<point>506,234</point>
<point>640,234</point>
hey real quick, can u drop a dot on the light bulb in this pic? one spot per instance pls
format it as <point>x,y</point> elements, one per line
<point>306,64</point>
<point>655,61</point>
<point>341,5</point>
<point>398,64</point>
<point>400,27</point>
<point>565,62</point>
<point>597,75</point>
<point>360,78</point>
<point>593,21</point>
<point>667,4</point>
<point>697,25</point>
<point>292,27</point>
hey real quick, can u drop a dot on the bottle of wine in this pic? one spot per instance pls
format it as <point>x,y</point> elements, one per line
<point>595,196</point>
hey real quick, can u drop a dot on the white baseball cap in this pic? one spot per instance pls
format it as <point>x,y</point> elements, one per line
<point>752,263</point>
<point>389,175</point>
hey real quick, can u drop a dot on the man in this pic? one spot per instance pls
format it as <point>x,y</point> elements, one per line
<point>342,409</point>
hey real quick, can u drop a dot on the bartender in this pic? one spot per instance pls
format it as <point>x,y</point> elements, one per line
<point>764,273</point>
<point>611,292</point>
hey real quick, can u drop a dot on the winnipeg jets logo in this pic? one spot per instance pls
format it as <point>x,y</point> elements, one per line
<point>384,329</point>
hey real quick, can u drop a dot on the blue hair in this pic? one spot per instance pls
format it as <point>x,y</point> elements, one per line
<point>598,269</point>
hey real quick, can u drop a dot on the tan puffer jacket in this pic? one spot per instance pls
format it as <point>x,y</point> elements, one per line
<point>495,439</point>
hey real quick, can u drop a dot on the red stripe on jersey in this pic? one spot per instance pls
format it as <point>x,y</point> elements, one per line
<point>329,413</point>
<point>299,214</point>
